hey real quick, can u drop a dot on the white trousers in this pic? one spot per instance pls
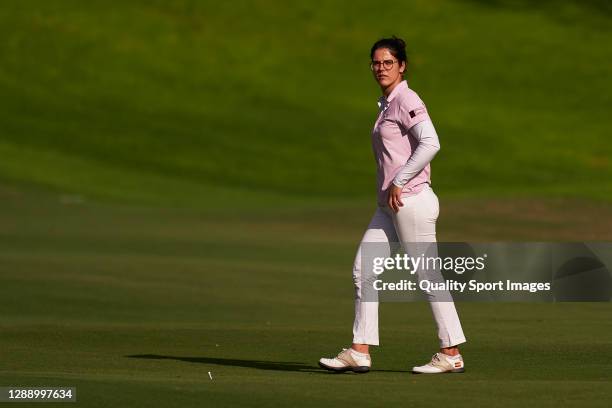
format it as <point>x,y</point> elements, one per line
<point>415,222</point>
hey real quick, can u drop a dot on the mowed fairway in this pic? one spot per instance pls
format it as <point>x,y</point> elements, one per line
<point>136,306</point>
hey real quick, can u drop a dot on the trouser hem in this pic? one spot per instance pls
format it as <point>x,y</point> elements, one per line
<point>446,344</point>
<point>357,340</point>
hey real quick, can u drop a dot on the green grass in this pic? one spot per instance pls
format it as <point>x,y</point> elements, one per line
<point>177,102</point>
<point>135,306</point>
<point>183,185</point>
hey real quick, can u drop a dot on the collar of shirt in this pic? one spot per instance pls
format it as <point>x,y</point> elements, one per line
<point>383,103</point>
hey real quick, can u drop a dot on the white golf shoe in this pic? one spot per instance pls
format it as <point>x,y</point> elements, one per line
<point>441,363</point>
<point>347,360</point>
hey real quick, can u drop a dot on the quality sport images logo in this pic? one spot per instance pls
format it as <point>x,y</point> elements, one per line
<point>517,271</point>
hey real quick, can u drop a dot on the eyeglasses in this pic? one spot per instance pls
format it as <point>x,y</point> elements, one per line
<point>386,64</point>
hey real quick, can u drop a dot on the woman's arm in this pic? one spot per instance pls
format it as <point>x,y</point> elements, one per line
<point>428,145</point>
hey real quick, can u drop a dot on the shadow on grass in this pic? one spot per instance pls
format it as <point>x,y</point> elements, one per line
<point>259,364</point>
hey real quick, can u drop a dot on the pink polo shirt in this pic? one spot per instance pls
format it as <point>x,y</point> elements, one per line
<point>393,144</point>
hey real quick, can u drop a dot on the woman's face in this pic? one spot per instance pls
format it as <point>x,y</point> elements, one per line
<point>386,69</point>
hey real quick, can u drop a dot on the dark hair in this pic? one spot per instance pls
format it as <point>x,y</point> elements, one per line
<point>396,46</point>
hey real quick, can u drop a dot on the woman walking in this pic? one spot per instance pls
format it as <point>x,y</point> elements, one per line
<point>404,142</point>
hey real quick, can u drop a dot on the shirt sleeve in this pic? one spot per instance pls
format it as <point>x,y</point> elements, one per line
<point>428,145</point>
<point>412,110</point>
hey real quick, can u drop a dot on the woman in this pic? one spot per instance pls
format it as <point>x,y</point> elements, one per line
<point>404,142</point>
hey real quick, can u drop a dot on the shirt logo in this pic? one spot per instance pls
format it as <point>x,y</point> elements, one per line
<point>416,112</point>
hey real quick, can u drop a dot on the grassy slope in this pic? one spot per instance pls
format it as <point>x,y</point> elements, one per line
<point>170,102</point>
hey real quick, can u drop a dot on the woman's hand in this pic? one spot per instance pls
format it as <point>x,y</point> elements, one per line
<point>394,198</point>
